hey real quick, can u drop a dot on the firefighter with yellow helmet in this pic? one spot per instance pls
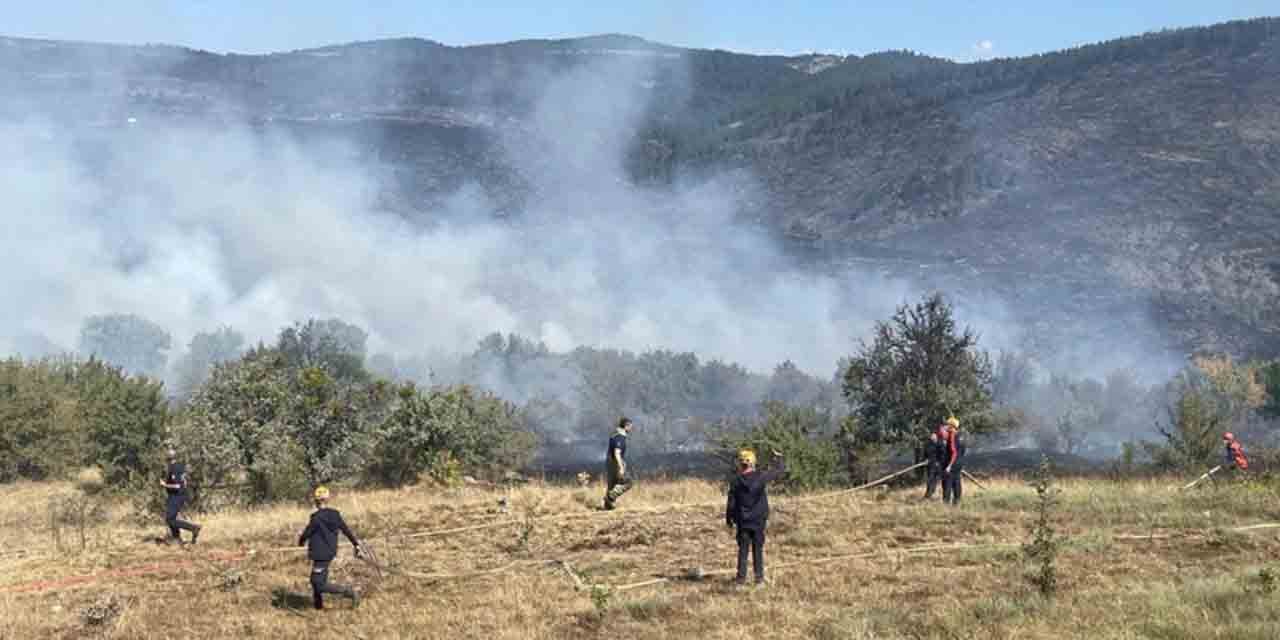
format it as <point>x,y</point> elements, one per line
<point>748,510</point>
<point>954,469</point>
<point>321,538</point>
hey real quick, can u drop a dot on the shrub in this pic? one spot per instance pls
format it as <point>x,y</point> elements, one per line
<point>90,481</point>
<point>271,432</point>
<point>802,434</point>
<point>124,418</point>
<point>229,432</point>
<point>446,430</point>
<point>145,498</point>
<point>104,610</point>
<point>327,420</point>
<point>37,440</point>
<point>71,517</point>
<point>1042,550</point>
<point>57,415</point>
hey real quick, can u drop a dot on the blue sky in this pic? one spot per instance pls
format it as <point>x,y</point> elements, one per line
<point>958,29</point>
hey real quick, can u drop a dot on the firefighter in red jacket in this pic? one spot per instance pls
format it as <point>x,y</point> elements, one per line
<point>954,468</point>
<point>1234,457</point>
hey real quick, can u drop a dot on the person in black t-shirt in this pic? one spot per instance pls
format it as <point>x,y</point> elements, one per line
<point>175,484</point>
<point>321,538</point>
<point>616,465</point>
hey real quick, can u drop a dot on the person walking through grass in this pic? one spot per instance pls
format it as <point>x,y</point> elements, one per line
<point>616,465</point>
<point>175,484</point>
<point>321,538</point>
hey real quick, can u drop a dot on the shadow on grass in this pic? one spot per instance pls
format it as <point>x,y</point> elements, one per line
<point>284,599</point>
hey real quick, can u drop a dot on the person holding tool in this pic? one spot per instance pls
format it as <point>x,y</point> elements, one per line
<point>321,538</point>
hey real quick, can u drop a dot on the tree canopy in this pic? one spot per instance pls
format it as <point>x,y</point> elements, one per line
<point>919,369</point>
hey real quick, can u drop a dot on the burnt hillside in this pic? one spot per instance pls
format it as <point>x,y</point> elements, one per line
<point>1138,178</point>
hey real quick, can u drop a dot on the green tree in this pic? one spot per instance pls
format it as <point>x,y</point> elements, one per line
<point>230,432</point>
<point>1012,379</point>
<point>336,346</point>
<point>1075,427</point>
<point>728,391</point>
<point>426,428</point>
<point>328,421</point>
<point>1192,431</point>
<point>1213,395</point>
<point>1270,378</point>
<point>124,419</point>
<point>1075,410</point>
<point>39,437</point>
<point>803,434</point>
<point>919,368</point>
<point>608,380</point>
<point>205,350</point>
<point>791,385</point>
<point>126,340</point>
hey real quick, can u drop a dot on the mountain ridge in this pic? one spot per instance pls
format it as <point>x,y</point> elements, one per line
<point>1140,172</point>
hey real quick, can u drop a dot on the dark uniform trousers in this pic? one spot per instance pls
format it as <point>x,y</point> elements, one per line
<point>320,584</point>
<point>753,540</point>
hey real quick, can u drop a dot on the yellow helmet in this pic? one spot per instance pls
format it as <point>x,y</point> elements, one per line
<point>321,493</point>
<point>747,456</point>
<point>953,423</point>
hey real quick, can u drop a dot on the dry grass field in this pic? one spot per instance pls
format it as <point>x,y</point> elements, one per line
<point>1141,560</point>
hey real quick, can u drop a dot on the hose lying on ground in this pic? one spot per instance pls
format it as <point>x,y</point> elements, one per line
<point>1206,474</point>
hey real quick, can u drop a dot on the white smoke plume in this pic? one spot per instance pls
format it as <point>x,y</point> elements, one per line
<point>200,226</point>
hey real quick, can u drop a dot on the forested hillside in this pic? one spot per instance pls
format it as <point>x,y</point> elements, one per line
<point>1132,178</point>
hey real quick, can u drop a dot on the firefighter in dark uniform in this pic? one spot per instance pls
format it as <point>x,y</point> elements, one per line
<point>935,452</point>
<point>321,538</point>
<point>175,484</point>
<point>616,465</point>
<point>748,510</point>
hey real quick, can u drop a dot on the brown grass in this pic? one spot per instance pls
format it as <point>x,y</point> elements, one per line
<point>848,566</point>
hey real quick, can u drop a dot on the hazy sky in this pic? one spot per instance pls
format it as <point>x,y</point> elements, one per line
<point>960,29</point>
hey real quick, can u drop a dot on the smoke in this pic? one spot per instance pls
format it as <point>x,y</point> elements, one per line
<point>200,226</point>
